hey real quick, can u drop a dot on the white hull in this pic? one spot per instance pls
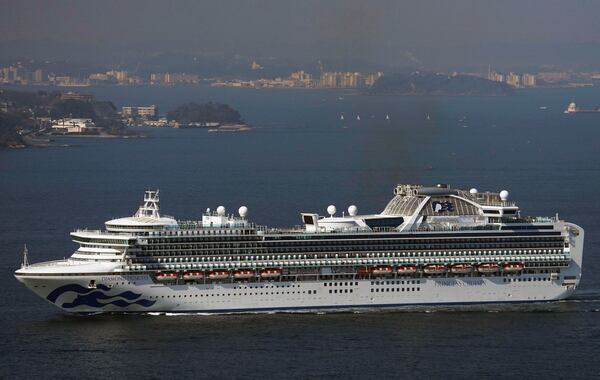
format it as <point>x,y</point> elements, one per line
<point>273,296</point>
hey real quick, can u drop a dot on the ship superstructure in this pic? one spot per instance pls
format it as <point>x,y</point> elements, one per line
<point>429,246</point>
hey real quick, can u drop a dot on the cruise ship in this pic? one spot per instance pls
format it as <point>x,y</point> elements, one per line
<point>429,246</point>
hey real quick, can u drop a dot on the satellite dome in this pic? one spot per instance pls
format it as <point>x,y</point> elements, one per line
<point>331,210</point>
<point>220,210</point>
<point>504,195</point>
<point>473,191</point>
<point>352,210</point>
<point>243,211</point>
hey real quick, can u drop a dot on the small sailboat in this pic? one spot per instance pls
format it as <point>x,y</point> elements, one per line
<point>387,117</point>
<point>357,117</point>
<point>342,117</point>
<point>428,117</point>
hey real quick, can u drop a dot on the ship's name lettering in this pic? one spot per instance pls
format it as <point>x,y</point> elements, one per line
<point>123,278</point>
<point>459,282</point>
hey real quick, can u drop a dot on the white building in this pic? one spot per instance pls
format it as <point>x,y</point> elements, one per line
<point>73,125</point>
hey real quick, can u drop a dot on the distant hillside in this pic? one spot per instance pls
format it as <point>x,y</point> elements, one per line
<point>19,111</point>
<point>204,113</point>
<point>437,84</point>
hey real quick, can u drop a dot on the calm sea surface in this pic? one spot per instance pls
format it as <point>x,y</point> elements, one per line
<point>303,157</point>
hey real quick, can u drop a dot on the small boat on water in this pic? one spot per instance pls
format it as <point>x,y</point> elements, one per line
<point>342,117</point>
<point>572,108</point>
<point>387,117</point>
<point>357,117</point>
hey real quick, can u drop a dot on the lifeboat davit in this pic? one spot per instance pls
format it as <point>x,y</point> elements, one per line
<point>406,269</point>
<point>270,273</point>
<point>218,274</point>
<point>434,268</point>
<point>382,270</point>
<point>488,268</point>
<point>513,267</point>
<point>166,276</point>
<point>193,275</point>
<point>243,273</point>
<point>461,268</point>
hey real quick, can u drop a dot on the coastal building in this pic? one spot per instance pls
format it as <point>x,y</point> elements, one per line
<point>173,78</point>
<point>554,77</point>
<point>38,76</point>
<point>528,80</point>
<point>372,78</point>
<point>119,75</point>
<point>74,126</point>
<point>349,80</point>
<point>513,79</point>
<point>77,96</point>
<point>329,80</point>
<point>143,112</point>
<point>301,79</point>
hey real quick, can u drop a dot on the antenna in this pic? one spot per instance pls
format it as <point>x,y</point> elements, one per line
<point>25,263</point>
<point>151,206</point>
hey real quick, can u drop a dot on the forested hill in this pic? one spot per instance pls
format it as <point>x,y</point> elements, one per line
<point>204,113</point>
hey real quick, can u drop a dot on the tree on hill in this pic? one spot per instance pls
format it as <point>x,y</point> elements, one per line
<point>72,108</point>
<point>204,113</point>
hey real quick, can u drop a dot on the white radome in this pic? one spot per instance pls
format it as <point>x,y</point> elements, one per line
<point>504,195</point>
<point>221,210</point>
<point>352,210</point>
<point>243,211</point>
<point>473,191</point>
<point>331,210</point>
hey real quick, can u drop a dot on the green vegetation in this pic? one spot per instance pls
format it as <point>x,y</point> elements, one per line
<point>204,113</point>
<point>438,84</point>
<point>10,124</point>
<point>22,113</point>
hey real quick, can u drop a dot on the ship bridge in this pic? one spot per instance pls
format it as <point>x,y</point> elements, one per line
<point>146,219</point>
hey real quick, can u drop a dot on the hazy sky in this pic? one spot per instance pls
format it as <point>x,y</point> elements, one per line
<point>424,31</point>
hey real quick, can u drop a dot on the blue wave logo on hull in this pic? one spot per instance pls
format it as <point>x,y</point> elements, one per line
<point>92,297</point>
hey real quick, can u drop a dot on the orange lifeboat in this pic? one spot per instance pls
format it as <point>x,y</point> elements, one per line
<point>461,268</point>
<point>193,275</point>
<point>513,267</point>
<point>218,274</point>
<point>434,269</point>
<point>406,269</point>
<point>381,270</point>
<point>166,276</point>
<point>243,273</point>
<point>270,273</point>
<point>488,268</point>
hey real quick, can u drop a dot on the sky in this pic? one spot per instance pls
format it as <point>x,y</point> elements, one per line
<point>441,33</point>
